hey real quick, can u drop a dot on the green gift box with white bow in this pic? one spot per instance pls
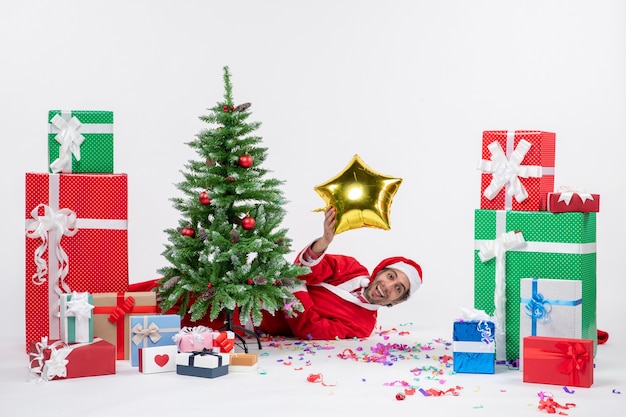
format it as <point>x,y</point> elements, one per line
<point>80,141</point>
<point>512,245</point>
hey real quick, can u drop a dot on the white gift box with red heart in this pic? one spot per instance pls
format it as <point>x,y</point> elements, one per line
<point>157,359</point>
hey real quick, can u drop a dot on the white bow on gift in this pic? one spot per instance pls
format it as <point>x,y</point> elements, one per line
<point>567,192</point>
<point>508,170</point>
<point>55,366</point>
<point>70,140</point>
<point>78,306</point>
<point>50,228</point>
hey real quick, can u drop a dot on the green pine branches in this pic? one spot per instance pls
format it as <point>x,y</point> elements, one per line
<point>229,250</point>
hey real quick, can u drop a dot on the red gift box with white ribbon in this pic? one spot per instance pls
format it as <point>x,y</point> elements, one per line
<point>517,169</point>
<point>76,240</point>
<point>571,199</point>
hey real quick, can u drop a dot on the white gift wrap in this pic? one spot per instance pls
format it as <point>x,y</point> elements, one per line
<point>550,307</point>
<point>157,359</point>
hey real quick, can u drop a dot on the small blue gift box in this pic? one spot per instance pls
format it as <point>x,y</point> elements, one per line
<point>473,349</point>
<point>204,363</point>
<point>151,330</point>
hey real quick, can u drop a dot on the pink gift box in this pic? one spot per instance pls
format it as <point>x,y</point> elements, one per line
<point>190,339</point>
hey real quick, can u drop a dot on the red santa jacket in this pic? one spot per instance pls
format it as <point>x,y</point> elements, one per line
<point>330,311</point>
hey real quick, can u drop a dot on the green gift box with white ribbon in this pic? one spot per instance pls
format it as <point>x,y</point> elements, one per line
<point>80,141</point>
<point>512,245</point>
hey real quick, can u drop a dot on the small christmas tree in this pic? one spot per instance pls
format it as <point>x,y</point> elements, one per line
<point>229,250</point>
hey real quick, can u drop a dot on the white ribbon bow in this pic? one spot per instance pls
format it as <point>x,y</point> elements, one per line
<point>70,139</point>
<point>497,249</point>
<point>57,364</point>
<point>567,192</point>
<point>78,306</point>
<point>50,228</point>
<point>152,332</point>
<point>508,170</point>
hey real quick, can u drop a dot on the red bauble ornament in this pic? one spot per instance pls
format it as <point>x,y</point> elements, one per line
<point>225,109</point>
<point>250,282</point>
<point>188,231</point>
<point>400,396</point>
<point>248,223</point>
<point>209,285</point>
<point>204,198</point>
<point>246,161</point>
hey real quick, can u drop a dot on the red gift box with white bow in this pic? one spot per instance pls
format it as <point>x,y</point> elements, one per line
<point>76,240</point>
<point>517,169</point>
<point>569,199</point>
<point>558,361</point>
<point>53,359</point>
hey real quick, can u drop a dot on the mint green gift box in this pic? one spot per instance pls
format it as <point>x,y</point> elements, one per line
<point>556,246</point>
<point>80,141</point>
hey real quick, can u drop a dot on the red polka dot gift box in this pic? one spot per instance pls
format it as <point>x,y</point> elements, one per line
<point>517,169</point>
<point>76,241</point>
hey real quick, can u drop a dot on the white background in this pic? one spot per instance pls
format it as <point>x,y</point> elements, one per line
<point>407,85</point>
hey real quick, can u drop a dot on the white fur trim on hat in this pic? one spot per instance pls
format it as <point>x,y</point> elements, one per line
<point>411,273</point>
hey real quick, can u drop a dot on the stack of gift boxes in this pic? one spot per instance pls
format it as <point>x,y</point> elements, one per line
<point>535,260</point>
<point>80,318</point>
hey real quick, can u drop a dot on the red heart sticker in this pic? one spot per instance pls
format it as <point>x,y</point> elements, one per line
<point>161,360</point>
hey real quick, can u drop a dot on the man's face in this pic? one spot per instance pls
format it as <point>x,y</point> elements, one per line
<point>388,287</point>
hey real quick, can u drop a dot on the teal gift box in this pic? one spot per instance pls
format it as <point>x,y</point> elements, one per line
<point>152,330</point>
<point>511,245</point>
<point>76,317</point>
<point>80,141</point>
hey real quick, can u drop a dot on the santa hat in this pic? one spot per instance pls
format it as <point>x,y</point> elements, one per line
<point>411,269</point>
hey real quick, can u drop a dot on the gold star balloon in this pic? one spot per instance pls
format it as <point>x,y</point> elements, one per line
<point>361,196</point>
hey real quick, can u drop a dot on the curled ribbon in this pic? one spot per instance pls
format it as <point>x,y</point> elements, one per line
<point>536,307</point>
<point>70,140</point>
<point>497,249</point>
<point>508,170</point>
<point>38,359</point>
<point>485,332</point>
<point>140,333</point>
<point>567,192</point>
<point>50,228</point>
